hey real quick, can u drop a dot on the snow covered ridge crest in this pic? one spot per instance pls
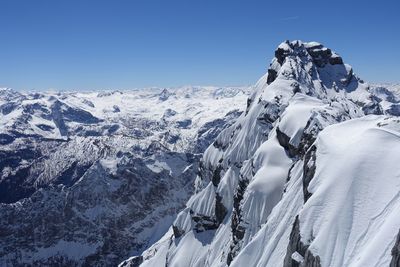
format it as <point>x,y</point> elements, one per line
<point>302,178</point>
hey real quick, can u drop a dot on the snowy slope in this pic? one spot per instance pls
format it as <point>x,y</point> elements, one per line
<point>89,178</point>
<point>304,177</point>
<point>351,217</point>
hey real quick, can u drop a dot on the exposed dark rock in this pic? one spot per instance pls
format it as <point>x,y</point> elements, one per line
<point>116,109</point>
<point>45,127</point>
<point>88,102</point>
<point>6,139</point>
<point>169,113</point>
<point>281,53</point>
<point>177,232</point>
<point>322,56</point>
<point>164,95</point>
<point>272,74</point>
<point>310,132</point>
<point>171,138</point>
<point>248,103</point>
<point>112,128</point>
<point>284,141</point>
<point>219,145</point>
<point>216,178</point>
<point>238,230</point>
<point>270,115</point>
<point>296,246</point>
<point>220,210</point>
<point>335,60</point>
<point>72,174</point>
<point>133,262</point>
<point>296,87</point>
<point>7,108</point>
<point>205,223</point>
<point>184,124</point>
<point>15,187</point>
<point>60,113</point>
<point>58,118</point>
<point>395,262</point>
<point>308,170</point>
<point>394,110</point>
<point>373,107</point>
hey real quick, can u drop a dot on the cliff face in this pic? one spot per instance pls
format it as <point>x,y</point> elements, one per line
<point>305,177</point>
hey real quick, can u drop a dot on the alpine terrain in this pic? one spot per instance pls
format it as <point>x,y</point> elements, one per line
<point>307,175</point>
<point>89,179</point>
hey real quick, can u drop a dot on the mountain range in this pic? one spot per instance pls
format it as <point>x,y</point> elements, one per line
<point>298,170</point>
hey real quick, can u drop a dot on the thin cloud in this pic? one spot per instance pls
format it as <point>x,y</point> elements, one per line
<point>289,18</point>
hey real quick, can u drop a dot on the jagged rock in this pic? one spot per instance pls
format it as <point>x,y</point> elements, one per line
<point>216,178</point>
<point>296,247</point>
<point>116,109</point>
<point>220,210</point>
<point>395,262</point>
<point>237,229</point>
<point>133,262</point>
<point>284,141</point>
<point>309,168</point>
<point>164,95</point>
<point>177,232</point>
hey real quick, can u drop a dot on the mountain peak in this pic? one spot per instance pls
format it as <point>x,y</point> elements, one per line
<point>315,70</point>
<point>261,183</point>
<point>320,54</point>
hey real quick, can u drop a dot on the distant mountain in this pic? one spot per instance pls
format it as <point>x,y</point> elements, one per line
<point>307,176</point>
<point>88,179</point>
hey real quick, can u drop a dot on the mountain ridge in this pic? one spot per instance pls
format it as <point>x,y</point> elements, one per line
<point>258,178</point>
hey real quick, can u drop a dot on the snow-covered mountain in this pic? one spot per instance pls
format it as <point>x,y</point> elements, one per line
<point>92,178</point>
<point>306,176</point>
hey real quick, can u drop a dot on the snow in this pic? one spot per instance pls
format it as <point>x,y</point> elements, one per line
<point>191,250</point>
<point>297,257</point>
<point>266,187</point>
<point>296,115</point>
<point>203,202</point>
<point>110,164</point>
<point>352,216</point>
<point>268,247</point>
<point>133,169</point>
<point>200,104</point>
<point>312,44</point>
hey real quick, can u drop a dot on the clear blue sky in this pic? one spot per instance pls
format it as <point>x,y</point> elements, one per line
<point>82,44</point>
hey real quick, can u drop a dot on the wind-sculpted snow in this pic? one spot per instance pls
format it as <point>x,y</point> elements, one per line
<point>300,179</point>
<point>352,219</point>
<point>92,178</point>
